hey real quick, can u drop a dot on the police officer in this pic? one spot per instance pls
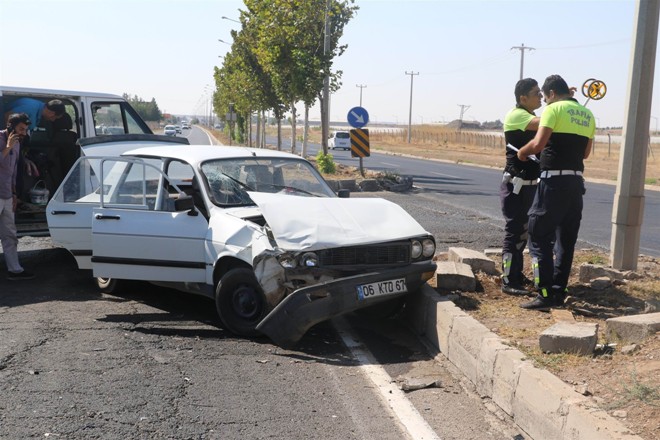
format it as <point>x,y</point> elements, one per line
<point>518,183</point>
<point>564,139</point>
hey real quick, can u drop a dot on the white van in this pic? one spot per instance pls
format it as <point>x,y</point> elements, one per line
<point>340,139</point>
<point>55,149</point>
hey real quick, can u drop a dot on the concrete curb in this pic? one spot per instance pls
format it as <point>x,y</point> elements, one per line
<point>540,403</point>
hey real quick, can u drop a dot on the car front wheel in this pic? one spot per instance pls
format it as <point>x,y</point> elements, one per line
<point>240,302</point>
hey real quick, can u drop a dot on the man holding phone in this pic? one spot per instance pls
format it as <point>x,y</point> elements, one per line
<point>10,148</point>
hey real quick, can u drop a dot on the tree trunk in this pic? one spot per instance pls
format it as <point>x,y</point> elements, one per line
<point>248,121</point>
<point>305,132</point>
<point>279,134</point>
<point>258,133</point>
<point>293,128</point>
<point>324,130</point>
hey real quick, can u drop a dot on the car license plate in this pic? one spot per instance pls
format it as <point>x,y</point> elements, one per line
<point>390,287</point>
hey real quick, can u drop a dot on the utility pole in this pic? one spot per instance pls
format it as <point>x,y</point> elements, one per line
<point>522,48</point>
<point>460,119</point>
<point>628,209</point>
<point>412,75</point>
<point>361,86</point>
<point>325,122</point>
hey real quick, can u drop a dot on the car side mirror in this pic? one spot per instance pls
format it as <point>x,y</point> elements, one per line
<point>344,193</point>
<point>184,203</point>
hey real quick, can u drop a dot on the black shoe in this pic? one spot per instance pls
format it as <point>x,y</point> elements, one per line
<point>539,303</point>
<point>18,276</point>
<point>559,296</point>
<point>514,290</point>
<point>527,282</point>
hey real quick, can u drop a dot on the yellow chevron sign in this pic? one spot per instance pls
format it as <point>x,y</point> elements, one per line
<point>360,142</point>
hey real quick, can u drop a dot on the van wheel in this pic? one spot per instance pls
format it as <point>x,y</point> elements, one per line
<point>240,302</point>
<point>110,285</point>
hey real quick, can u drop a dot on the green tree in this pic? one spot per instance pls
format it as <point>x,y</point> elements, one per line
<point>289,46</point>
<point>277,57</point>
<point>148,111</point>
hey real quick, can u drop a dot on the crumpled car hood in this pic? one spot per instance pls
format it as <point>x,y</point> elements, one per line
<point>312,223</point>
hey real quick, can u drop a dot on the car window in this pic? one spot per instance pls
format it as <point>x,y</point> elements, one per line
<point>230,180</point>
<point>111,118</point>
<point>342,135</point>
<point>82,183</point>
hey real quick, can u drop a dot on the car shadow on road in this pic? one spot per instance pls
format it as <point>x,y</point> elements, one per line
<point>57,278</point>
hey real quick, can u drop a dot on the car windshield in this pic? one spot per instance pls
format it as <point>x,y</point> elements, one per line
<point>229,180</point>
<point>342,135</point>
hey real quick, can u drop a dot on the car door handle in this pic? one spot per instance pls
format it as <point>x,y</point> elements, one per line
<point>106,217</point>
<point>63,212</point>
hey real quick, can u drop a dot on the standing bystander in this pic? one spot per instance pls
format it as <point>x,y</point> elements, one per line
<point>564,139</point>
<point>518,183</point>
<point>10,146</point>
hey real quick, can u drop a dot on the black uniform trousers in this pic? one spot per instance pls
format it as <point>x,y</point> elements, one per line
<point>514,210</point>
<point>554,222</point>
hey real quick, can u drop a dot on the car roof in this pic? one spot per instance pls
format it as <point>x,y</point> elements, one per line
<point>54,92</point>
<point>195,154</point>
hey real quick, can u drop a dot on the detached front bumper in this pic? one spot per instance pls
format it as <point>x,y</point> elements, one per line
<point>305,307</point>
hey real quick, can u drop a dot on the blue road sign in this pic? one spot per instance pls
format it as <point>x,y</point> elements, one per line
<point>358,117</point>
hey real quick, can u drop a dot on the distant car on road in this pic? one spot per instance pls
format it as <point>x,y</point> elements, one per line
<point>258,231</point>
<point>178,128</point>
<point>185,126</point>
<point>113,130</point>
<point>340,139</point>
<point>170,130</point>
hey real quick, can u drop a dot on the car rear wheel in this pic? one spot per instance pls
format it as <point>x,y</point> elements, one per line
<point>240,302</point>
<point>110,285</point>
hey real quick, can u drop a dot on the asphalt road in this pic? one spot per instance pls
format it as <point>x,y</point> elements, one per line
<point>152,363</point>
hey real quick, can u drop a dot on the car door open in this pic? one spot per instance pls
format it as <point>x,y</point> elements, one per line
<point>137,234</point>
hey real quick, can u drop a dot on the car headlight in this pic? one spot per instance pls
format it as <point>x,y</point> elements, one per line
<point>287,261</point>
<point>415,249</point>
<point>428,247</point>
<point>309,259</point>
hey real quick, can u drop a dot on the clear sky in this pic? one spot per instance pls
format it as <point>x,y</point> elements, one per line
<point>166,49</point>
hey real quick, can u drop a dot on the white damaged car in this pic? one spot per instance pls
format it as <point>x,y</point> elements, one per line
<point>259,231</point>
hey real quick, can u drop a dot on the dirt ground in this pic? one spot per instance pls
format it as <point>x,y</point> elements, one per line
<point>626,385</point>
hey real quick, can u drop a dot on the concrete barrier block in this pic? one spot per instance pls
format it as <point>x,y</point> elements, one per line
<point>451,275</point>
<point>584,422</point>
<point>539,403</point>
<point>569,337</point>
<point>416,312</point>
<point>634,328</point>
<point>475,259</point>
<point>590,272</point>
<point>491,347</point>
<point>505,378</point>
<point>464,344</point>
<point>439,329</point>
<point>369,185</point>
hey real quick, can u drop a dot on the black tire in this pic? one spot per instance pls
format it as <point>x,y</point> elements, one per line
<point>110,285</point>
<point>240,302</point>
